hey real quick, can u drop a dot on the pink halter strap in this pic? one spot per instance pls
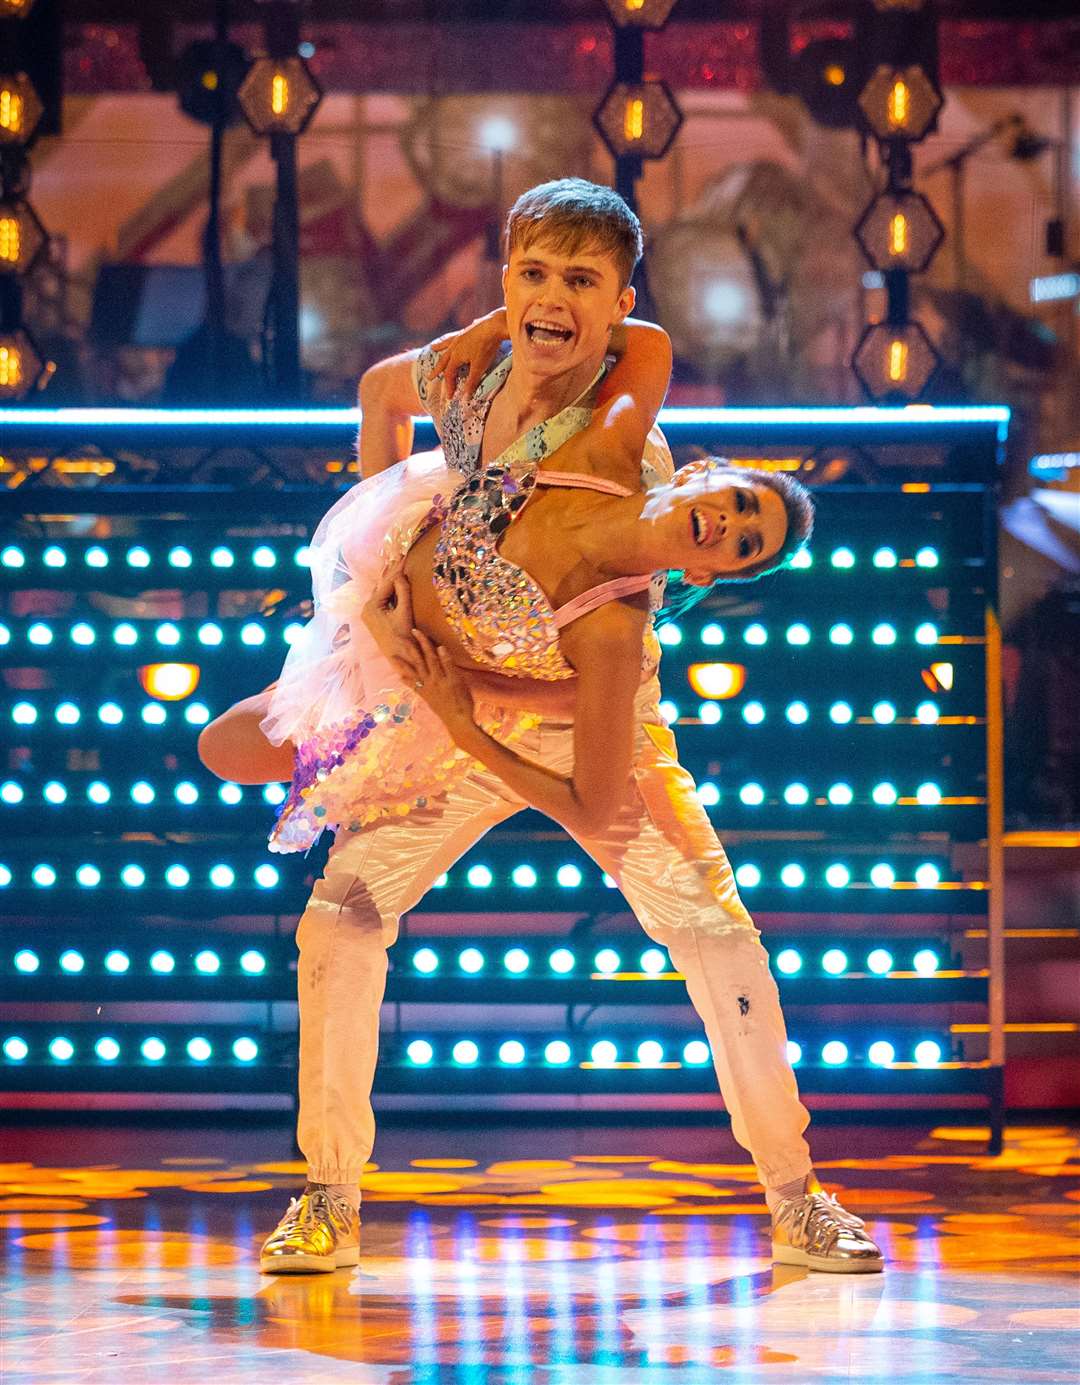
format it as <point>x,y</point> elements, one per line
<point>581,481</point>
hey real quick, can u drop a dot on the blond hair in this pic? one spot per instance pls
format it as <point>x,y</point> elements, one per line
<point>570,215</point>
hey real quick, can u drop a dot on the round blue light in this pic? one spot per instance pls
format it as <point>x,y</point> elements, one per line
<point>928,795</point>
<point>210,633</point>
<point>882,876</point>
<point>885,557</point>
<point>26,961</point>
<point>179,556</point>
<point>465,1053</point>
<point>221,557</point>
<point>98,793</point>
<point>837,876</point>
<point>926,961</point>
<point>561,961</point>
<point>245,1050</point>
<point>252,962</point>
<point>512,1052</point>
<point>753,795</point>
<point>797,713</point>
<point>39,633</point>
<point>199,1050</point>
<point>43,876</point>
<point>756,634</point>
<point>252,634</point>
<point>927,876</point>
<point>927,1053</point>
<point>843,557</point>
<point>793,876</point>
<point>668,710</point>
<point>67,714</point>
<point>264,556</point>
<point>927,713</point>
<point>798,633</point>
<point>516,961</point>
<point>88,876</point>
<point>12,556</point>
<point>840,795</point>
<point>834,1052</point>
<point>15,1049</point>
<point>133,876</point>
<point>569,876</point>
<point>653,961</point>
<point>162,962</point>
<point>841,633</point>
<point>669,635</point>
<point>167,633</point>
<point>196,714</point>
<point>748,876</point>
<point>186,793</point>
<point>138,557</point>
<point>479,877</point>
<point>884,713</point>
<point>696,1052</point>
<point>10,792</point>
<point>142,792</point>
<point>207,962</point>
<point>794,1052</point>
<point>834,961</point>
<point>274,794</point>
<point>55,792</point>
<point>926,557</point>
<point>557,1052</point>
<point>230,794</point>
<point>107,1049</point>
<point>61,1049</point>
<point>110,714</point>
<point>708,795</point>
<point>420,1053</point>
<point>926,633</point>
<point>604,1053</point>
<point>709,713</point>
<point>883,634</point>
<point>880,961</point>
<point>154,714</point>
<point>797,795</point>
<point>425,961</point>
<point>54,557</point>
<point>607,961</point>
<point>83,634</point>
<point>152,1049</point>
<point>471,961</point>
<point>753,713</point>
<point>524,877</point>
<point>789,961</point>
<point>97,557</point>
<point>117,962</point>
<point>71,961</point>
<point>881,1053</point>
<point>125,634</point>
<point>266,876</point>
<point>650,1053</point>
<point>712,634</point>
<point>222,876</point>
<point>24,714</point>
<point>884,795</point>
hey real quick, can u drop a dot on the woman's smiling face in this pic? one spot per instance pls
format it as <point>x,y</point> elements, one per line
<point>560,308</point>
<point>724,526</point>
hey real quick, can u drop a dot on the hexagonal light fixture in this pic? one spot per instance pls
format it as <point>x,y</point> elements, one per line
<point>20,364</point>
<point>20,108</point>
<point>900,103</point>
<point>279,96</point>
<point>22,237</point>
<point>899,230</point>
<point>638,119</point>
<point>894,361</point>
<point>639,14</point>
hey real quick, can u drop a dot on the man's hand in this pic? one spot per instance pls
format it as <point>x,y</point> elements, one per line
<point>387,613</point>
<point>474,346</point>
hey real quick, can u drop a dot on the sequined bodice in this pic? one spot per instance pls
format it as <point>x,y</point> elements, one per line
<point>498,612</point>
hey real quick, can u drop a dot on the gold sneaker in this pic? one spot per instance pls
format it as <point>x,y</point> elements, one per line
<point>815,1231</point>
<point>318,1232</point>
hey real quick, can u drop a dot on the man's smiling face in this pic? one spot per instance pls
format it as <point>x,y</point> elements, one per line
<point>560,308</point>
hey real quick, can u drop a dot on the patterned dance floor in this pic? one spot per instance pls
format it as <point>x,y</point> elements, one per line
<point>548,1254</point>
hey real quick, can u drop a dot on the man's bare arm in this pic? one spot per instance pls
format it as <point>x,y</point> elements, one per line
<point>388,403</point>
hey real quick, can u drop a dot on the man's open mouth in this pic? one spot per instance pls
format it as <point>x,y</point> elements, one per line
<point>547,333</point>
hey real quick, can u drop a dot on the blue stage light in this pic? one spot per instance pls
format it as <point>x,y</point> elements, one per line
<point>834,961</point>
<point>834,1053</point>
<point>927,876</point>
<point>708,795</point>
<point>841,633</point>
<point>789,961</point>
<point>609,881</point>
<point>142,792</point>
<point>884,713</point>
<point>162,962</point>
<point>479,877</point>
<point>884,633</point>
<point>884,795</point>
<point>83,634</point>
<point>882,875</point>
<point>125,634</point>
<point>516,961</point>
<point>207,962</point>
<point>471,960</point>
<point>926,633</point>
<point>604,1053</point>
<point>133,876</point>
<point>420,1053</point>
<point>668,710</point>
<point>54,792</point>
<point>110,714</point>
<point>837,876</point>
<point>926,961</point>
<point>292,632</point>
<point>840,795</point>
<point>252,634</point>
<point>97,557</point>
<point>39,633</point>
<point>928,795</point>
<point>15,1048</point>
<point>222,876</point>
<point>210,633</point>
<point>117,962</point>
<point>98,793</point>
<point>927,1053</point>
<point>881,1053</point>
<point>709,713</point>
<point>880,961</point>
<point>512,1052</point>
<point>524,877</point>
<point>748,876</point>
<point>61,1049</point>
<point>245,1050</point>
<point>252,962</point>
<point>753,713</point>
<point>54,557</point>
<point>568,876</point>
<point>696,1052</point>
<point>793,876</point>
<point>153,1050</point>
<point>230,794</point>
<point>10,792</point>
<point>26,961</point>
<point>441,881</point>
<point>12,556</point>
<point>154,714</point>
<point>650,1053</point>
<point>669,635</point>
<point>5,634</point>
<point>67,714</point>
<point>802,558</point>
<point>653,961</point>
<point>274,794</point>
<point>797,713</point>
<point>798,633</point>
<point>302,556</point>
<point>561,961</point>
<point>927,713</point>
<point>43,876</point>
<point>263,556</point>
<point>842,558</point>
<point>196,713</point>
<point>24,714</point>
<point>756,634</point>
<point>794,1052</point>
<point>266,876</point>
<point>753,795</point>
<point>5,877</point>
<point>557,1052</point>
<point>167,633</point>
<point>926,557</point>
<point>465,1053</point>
<point>107,1049</point>
<point>88,876</point>
<point>138,557</point>
<point>222,557</point>
<point>607,961</point>
<point>186,793</point>
<point>179,556</point>
<point>885,557</point>
<point>712,634</point>
<point>199,1050</point>
<point>425,961</point>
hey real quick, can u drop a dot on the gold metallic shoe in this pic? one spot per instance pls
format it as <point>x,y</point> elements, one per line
<point>318,1232</point>
<point>815,1231</point>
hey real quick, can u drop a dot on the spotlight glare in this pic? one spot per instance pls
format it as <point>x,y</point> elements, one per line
<point>162,962</point>
<point>668,711</point>
<point>802,558</point>
<point>245,1050</point>
<point>512,1052</point>
<point>266,876</point>
<point>207,962</point>
<point>798,713</point>
<point>708,795</point>
<point>834,1052</point>
<point>793,876</point>
<point>712,634</point>
<point>927,713</point>
<point>561,961</point>
<point>222,876</point>
<point>880,961</point>
<point>24,714</point>
<point>927,1053</point>
<point>568,876</point>
<point>604,1053</point>
<point>465,1053</point>
<point>43,875</point>
<point>167,633</point>
<point>927,876</point>
<point>88,876</point>
<point>696,1052</point>
<point>926,633</point>
<point>843,558</point>
<point>837,876</point>
<point>883,634</point>
<point>252,962</point>
<point>926,961</point>
<point>425,961</point>
<point>653,961</point>
<point>186,793</point>
<point>794,1052</point>
<point>650,1053</point>
<point>798,633</point>
<point>420,1053</point>
<point>117,962</point>
<point>884,795</point>
<point>840,713</point>
<point>110,714</point>
<point>133,876</point>
<point>754,713</point>
<point>252,633</point>
<point>179,556</point>
<point>607,961</point>
<point>15,1049</point>
<point>669,635</point>
<point>222,557</point>
<point>756,634</point>
<point>479,877</point>
<point>928,795</point>
<point>840,795</point>
<point>264,556</point>
<point>83,634</point>
<point>210,633</point>
<point>524,877</point>
<point>789,961</point>
<point>154,714</point>
<point>107,1049</point>
<point>125,634</point>
<point>709,713</point>
<point>26,961</point>
<point>748,876</point>
<point>177,877</point>
<point>881,1053</point>
<point>199,1050</point>
<point>882,876</point>
<point>97,557</point>
<point>834,961</point>
<point>153,1050</point>
<point>231,794</point>
<point>885,557</point>
<point>516,961</point>
<point>926,557</point>
<point>98,793</point>
<point>196,714</point>
<point>557,1052</point>
<point>884,713</point>
<point>471,961</point>
<point>753,795</point>
<point>61,1049</point>
<point>841,633</point>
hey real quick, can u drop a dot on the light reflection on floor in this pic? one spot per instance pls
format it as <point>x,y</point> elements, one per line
<point>603,1263</point>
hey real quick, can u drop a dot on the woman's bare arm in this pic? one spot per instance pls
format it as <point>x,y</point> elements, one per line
<point>232,746</point>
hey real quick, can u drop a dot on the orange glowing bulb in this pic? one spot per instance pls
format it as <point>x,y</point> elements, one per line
<point>898,234</point>
<point>899,104</point>
<point>10,239</point>
<point>10,367</point>
<point>898,354</point>
<point>634,119</point>
<point>11,110</point>
<point>279,94</point>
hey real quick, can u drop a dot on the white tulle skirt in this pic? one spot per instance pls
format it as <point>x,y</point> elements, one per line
<point>367,746</point>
